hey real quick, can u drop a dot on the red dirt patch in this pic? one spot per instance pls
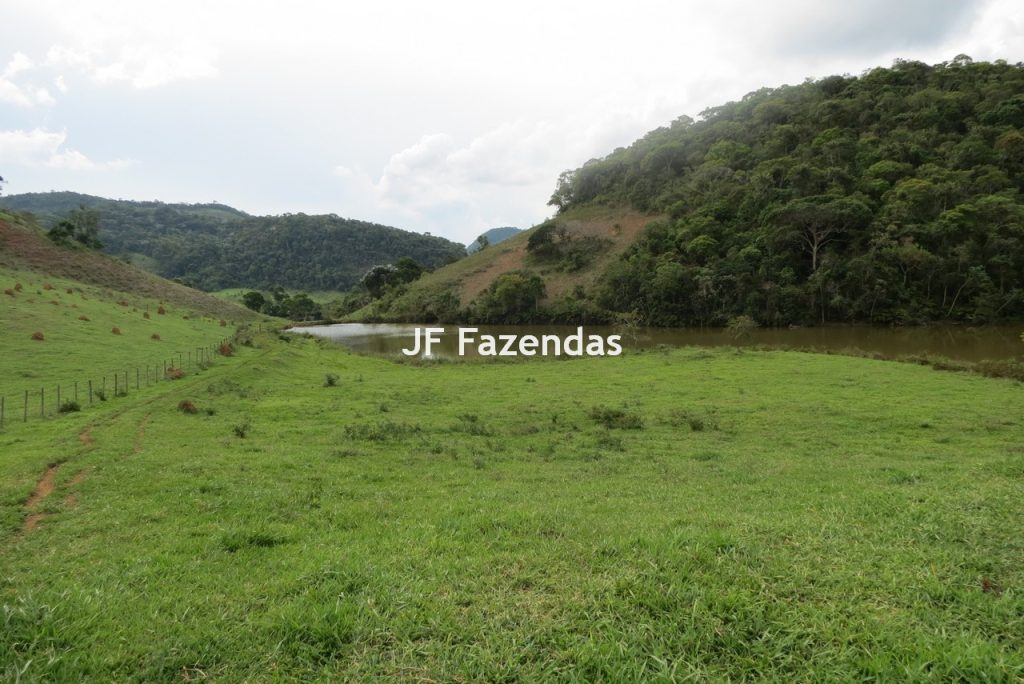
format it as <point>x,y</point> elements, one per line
<point>43,489</point>
<point>619,228</point>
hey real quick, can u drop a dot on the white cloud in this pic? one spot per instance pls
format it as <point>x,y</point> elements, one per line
<point>42,148</point>
<point>144,65</point>
<point>26,95</point>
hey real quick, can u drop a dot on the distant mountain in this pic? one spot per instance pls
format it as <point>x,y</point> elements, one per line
<point>494,236</point>
<point>214,246</point>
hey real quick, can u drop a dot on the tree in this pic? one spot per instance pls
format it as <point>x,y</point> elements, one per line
<point>377,279</point>
<point>407,270</point>
<point>80,225</point>
<point>254,300</point>
<point>2,181</point>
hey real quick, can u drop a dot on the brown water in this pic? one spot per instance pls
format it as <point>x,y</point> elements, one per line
<point>955,342</point>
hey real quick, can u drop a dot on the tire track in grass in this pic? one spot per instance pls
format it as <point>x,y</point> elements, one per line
<point>43,489</point>
<point>47,483</point>
<point>140,434</point>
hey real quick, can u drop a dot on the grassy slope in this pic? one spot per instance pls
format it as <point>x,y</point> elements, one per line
<point>24,247</point>
<point>834,517</point>
<point>82,350</point>
<point>470,276</point>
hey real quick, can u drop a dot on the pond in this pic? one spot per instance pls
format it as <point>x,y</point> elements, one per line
<point>955,342</point>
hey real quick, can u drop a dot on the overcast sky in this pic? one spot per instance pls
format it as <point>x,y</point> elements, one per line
<point>448,117</point>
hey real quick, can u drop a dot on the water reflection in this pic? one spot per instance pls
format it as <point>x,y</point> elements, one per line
<point>964,343</point>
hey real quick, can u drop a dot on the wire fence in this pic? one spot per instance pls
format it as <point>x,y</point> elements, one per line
<point>66,397</point>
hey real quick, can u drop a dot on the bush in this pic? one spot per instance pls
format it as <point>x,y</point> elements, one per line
<point>155,336</point>
<point>9,292</point>
<point>161,310</point>
<point>242,429</point>
<point>115,330</point>
<point>616,418</point>
<point>18,287</point>
<point>223,323</point>
<point>47,286</point>
<point>38,336</point>
<point>330,380</point>
<point>186,406</point>
<point>145,314</point>
<point>226,349</point>
<point>69,406</point>
<point>173,373</point>
<point>83,317</point>
<point>741,326</point>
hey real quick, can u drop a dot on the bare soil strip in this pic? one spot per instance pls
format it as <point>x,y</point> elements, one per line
<point>43,489</point>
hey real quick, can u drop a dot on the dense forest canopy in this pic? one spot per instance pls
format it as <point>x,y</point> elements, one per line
<point>213,246</point>
<point>892,197</point>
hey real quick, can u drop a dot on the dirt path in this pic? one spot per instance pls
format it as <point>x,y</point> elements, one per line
<point>43,489</point>
<point>140,434</point>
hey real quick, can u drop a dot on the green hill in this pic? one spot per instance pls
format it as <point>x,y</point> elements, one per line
<point>214,247</point>
<point>890,197</point>
<point>493,237</point>
<point>24,248</point>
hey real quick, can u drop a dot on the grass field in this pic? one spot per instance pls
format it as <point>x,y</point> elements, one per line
<point>657,517</point>
<point>79,343</point>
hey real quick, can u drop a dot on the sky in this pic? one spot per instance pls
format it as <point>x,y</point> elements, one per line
<point>446,117</point>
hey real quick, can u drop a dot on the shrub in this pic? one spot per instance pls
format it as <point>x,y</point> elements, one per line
<point>115,330</point>
<point>242,429</point>
<point>18,287</point>
<point>47,286</point>
<point>122,303</point>
<point>330,380</point>
<point>155,336</point>
<point>9,292</point>
<point>54,302</point>
<point>145,314</point>
<point>70,291</point>
<point>69,406</point>
<point>225,349</point>
<point>83,317</point>
<point>161,310</point>
<point>38,336</point>
<point>223,323</point>
<point>741,326</point>
<point>173,373</point>
<point>186,406</point>
<point>613,418</point>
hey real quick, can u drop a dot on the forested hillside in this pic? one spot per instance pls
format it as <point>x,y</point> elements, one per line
<point>891,197</point>
<point>213,246</point>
